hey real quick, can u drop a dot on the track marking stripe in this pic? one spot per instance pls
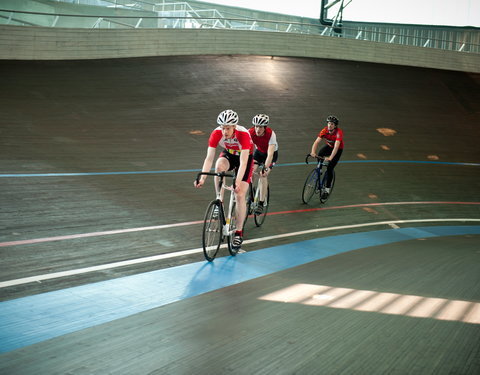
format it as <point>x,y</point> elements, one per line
<point>55,275</point>
<point>368,205</point>
<point>36,318</point>
<point>75,174</point>
<point>95,234</point>
<point>166,226</point>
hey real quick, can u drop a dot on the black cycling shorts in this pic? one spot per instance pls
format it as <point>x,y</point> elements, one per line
<point>261,157</point>
<point>234,161</point>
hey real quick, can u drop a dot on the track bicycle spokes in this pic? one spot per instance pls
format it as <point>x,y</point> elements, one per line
<point>260,218</point>
<point>310,186</point>
<point>231,226</point>
<point>212,236</point>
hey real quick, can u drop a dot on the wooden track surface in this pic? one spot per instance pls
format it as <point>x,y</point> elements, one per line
<point>155,115</point>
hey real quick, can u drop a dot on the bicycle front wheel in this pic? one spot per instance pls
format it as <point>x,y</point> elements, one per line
<point>212,230</point>
<point>259,219</point>
<point>231,232</point>
<point>310,186</point>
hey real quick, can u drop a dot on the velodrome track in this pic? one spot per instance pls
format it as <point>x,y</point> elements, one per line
<point>97,166</point>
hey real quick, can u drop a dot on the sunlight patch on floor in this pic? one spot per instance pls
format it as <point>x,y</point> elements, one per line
<point>380,302</point>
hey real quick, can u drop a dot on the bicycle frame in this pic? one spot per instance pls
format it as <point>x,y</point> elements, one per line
<point>222,225</point>
<point>227,219</point>
<point>220,192</point>
<point>320,164</point>
<point>319,171</point>
<point>254,196</point>
<point>320,178</point>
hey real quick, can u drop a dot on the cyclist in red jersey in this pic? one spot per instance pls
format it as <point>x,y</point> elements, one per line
<point>237,154</point>
<point>266,153</point>
<point>333,149</point>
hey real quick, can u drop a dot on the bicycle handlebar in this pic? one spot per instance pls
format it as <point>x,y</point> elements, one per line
<point>222,175</point>
<point>261,166</point>
<point>317,157</point>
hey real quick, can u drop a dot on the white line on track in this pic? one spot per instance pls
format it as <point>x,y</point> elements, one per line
<point>166,226</point>
<point>96,234</point>
<point>55,275</point>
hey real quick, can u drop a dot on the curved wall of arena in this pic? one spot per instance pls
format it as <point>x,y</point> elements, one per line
<point>47,43</point>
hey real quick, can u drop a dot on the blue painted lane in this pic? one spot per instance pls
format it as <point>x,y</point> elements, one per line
<point>29,320</point>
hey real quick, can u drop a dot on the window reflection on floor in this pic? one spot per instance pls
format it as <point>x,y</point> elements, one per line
<point>381,302</point>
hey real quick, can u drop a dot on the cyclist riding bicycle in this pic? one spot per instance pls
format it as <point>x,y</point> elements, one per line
<point>237,154</point>
<point>332,151</point>
<point>266,153</point>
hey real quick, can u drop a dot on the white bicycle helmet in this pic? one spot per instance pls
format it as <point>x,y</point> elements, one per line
<point>260,120</point>
<point>227,117</point>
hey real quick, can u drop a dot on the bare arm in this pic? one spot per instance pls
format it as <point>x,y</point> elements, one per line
<point>315,146</point>
<point>268,161</point>
<point>335,149</point>
<point>207,165</point>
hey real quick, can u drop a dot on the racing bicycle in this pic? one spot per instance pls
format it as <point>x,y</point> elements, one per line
<point>253,197</point>
<point>316,181</point>
<point>219,224</point>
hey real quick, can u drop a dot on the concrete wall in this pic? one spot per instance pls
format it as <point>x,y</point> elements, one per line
<point>39,43</point>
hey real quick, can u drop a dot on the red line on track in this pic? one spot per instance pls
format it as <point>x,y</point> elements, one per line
<point>165,226</point>
<point>367,205</point>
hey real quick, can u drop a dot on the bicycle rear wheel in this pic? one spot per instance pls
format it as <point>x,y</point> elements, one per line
<point>231,232</point>
<point>324,183</point>
<point>259,219</point>
<point>310,187</point>
<point>212,230</point>
<point>249,197</point>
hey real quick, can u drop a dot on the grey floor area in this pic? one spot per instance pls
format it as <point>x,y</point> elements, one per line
<point>155,114</point>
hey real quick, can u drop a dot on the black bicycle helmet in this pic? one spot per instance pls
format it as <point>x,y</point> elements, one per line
<point>333,119</point>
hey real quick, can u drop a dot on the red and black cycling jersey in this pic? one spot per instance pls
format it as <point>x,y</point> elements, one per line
<point>241,140</point>
<point>331,138</point>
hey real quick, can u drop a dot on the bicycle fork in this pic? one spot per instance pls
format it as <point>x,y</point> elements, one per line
<point>228,216</point>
